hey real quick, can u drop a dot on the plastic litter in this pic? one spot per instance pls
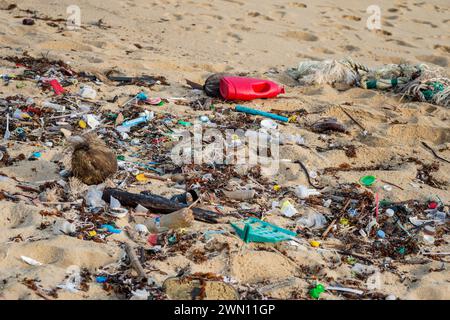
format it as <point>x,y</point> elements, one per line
<point>269,124</point>
<point>241,195</point>
<point>110,228</point>
<point>64,227</point>
<point>141,229</point>
<point>94,197</point>
<point>316,291</point>
<point>87,92</point>
<point>7,133</point>
<point>144,117</point>
<point>57,88</point>
<point>255,112</point>
<point>242,88</point>
<point>288,209</point>
<point>312,220</point>
<point>140,294</point>
<point>255,230</point>
<point>304,192</point>
<point>367,181</point>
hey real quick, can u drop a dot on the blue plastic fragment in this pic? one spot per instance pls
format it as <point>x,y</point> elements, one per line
<point>141,96</point>
<point>110,228</point>
<point>101,279</point>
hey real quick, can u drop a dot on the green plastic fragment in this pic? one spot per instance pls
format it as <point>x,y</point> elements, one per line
<point>255,230</point>
<point>402,250</point>
<point>385,202</point>
<point>351,260</point>
<point>172,239</point>
<point>121,157</point>
<point>371,84</point>
<point>185,123</point>
<point>316,291</point>
<point>112,116</point>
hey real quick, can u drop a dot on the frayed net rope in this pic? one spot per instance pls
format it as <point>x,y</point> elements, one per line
<point>416,82</point>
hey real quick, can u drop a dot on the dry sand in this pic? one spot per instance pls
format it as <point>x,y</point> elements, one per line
<point>191,39</point>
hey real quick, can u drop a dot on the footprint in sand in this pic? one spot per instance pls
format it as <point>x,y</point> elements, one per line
<point>425,22</point>
<point>410,133</point>
<point>302,36</point>
<point>255,14</point>
<point>297,5</point>
<point>383,32</point>
<point>235,36</point>
<point>349,48</point>
<point>18,215</point>
<point>391,17</point>
<point>323,50</point>
<point>353,18</point>
<point>437,60</point>
<point>442,48</point>
<point>401,43</point>
<point>43,253</point>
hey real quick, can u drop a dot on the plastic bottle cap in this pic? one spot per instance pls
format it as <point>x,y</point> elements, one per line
<point>381,234</point>
<point>315,244</point>
<point>389,212</point>
<point>432,205</point>
<point>368,180</point>
<point>428,239</point>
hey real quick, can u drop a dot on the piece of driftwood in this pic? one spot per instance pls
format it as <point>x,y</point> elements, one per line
<point>353,119</point>
<point>434,152</point>
<point>156,203</point>
<point>135,263</point>
<point>328,229</point>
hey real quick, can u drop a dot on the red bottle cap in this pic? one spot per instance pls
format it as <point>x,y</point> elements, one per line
<point>432,205</point>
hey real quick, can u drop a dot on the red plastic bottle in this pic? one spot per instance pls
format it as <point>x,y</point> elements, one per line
<point>241,88</point>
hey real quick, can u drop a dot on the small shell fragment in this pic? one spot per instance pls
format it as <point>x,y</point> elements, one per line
<point>31,261</point>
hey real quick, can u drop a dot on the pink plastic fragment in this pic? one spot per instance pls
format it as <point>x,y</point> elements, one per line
<point>57,88</point>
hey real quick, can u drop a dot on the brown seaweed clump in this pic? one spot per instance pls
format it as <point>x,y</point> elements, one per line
<point>92,161</point>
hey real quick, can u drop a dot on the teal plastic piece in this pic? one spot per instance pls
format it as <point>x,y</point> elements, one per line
<point>255,230</point>
<point>256,112</point>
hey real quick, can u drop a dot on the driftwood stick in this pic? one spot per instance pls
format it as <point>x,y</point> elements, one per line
<point>135,261</point>
<point>156,203</point>
<point>434,152</point>
<point>392,184</point>
<point>353,119</point>
<point>325,233</point>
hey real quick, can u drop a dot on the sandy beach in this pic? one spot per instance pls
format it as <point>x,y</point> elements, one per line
<point>181,40</point>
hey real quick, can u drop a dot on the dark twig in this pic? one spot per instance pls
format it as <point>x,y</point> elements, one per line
<point>307,175</point>
<point>325,233</point>
<point>353,119</point>
<point>434,152</point>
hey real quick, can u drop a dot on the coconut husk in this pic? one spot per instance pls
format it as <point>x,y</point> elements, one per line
<point>212,84</point>
<point>92,161</point>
